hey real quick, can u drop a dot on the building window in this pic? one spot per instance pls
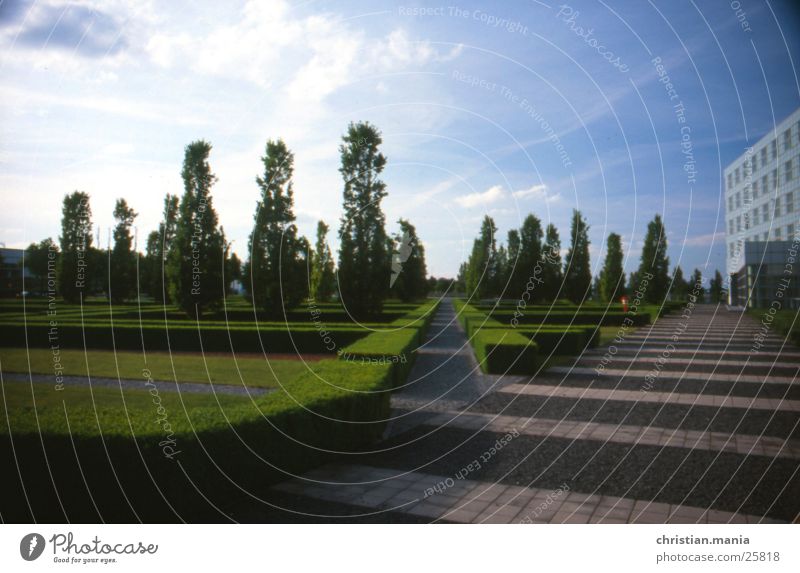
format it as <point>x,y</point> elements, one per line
<point>777,209</point>
<point>764,237</point>
<point>778,233</point>
<point>738,199</point>
<point>730,181</point>
<point>773,149</point>
<point>787,170</point>
<point>755,217</point>
<point>754,162</point>
<point>730,203</point>
<point>790,202</point>
<point>789,231</point>
<point>736,176</point>
<point>755,189</point>
<point>774,180</point>
<point>765,212</point>
<point>763,156</point>
<point>738,223</point>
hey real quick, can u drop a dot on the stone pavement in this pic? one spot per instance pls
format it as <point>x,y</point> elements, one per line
<point>710,436</point>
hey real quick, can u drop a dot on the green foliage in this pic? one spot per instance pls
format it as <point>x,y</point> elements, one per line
<point>219,368</point>
<point>338,408</point>
<point>612,277</point>
<point>680,287</point>
<point>481,271</point>
<point>409,271</point>
<point>276,273</point>
<point>577,270</point>
<point>501,351</point>
<point>323,277</point>
<point>552,275</point>
<point>196,255</point>
<point>122,278</point>
<point>696,288</point>
<point>75,269</point>
<point>364,259</point>
<point>153,277</point>
<point>655,262</point>
<point>716,289</point>
<point>530,257</point>
<point>41,260</point>
<point>388,347</point>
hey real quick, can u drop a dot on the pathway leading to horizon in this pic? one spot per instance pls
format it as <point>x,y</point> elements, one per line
<point>711,436</point>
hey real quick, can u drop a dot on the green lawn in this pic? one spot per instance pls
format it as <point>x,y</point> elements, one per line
<point>220,369</point>
<point>81,411</point>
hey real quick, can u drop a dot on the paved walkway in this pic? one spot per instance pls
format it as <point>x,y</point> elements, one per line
<point>707,435</point>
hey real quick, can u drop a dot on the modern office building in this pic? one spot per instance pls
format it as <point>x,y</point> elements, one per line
<point>762,206</point>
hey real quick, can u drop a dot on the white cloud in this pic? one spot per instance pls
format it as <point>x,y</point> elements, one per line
<point>491,195</point>
<point>538,192</point>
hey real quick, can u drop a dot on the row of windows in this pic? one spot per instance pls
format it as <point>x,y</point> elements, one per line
<point>764,186</point>
<point>777,235</point>
<point>767,154</point>
<point>758,215</point>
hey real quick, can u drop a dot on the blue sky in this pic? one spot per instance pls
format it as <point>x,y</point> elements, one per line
<point>502,109</point>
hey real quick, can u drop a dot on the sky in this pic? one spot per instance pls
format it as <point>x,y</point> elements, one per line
<point>621,109</point>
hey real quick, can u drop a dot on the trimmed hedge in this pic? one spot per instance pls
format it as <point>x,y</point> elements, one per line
<point>505,352</point>
<point>396,348</point>
<point>183,338</point>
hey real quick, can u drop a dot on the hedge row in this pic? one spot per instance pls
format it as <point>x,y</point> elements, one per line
<point>224,445</point>
<point>395,347</point>
<point>183,338</point>
<point>500,351</point>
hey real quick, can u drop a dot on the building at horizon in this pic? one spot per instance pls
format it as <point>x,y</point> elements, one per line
<point>762,218</point>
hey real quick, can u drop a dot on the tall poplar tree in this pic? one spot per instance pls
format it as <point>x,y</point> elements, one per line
<point>74,266</point>
<point>196,255</point>
<point>409,271</point>
<point>364,268</point>
<point>323,278</point>
<point>275,274</point>
<point>577,270</point>
<point>612,277</point>
<point>480,279</point>
<point>655,262</point>
<point>122,268</point>
<point>552,275</point>
<point>530,256</point>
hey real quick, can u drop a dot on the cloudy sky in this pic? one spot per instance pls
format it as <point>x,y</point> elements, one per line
<point>498,108</point>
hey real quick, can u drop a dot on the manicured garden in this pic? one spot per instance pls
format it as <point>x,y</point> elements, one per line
<point>508,339</point>
<point>145,454</point>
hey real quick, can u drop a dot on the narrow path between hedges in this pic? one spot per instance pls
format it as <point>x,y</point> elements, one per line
<point>685,424</point>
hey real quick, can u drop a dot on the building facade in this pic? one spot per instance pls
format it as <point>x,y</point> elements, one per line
<point>762,216</point>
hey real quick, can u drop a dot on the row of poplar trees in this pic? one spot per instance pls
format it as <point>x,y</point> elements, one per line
<point>188,261</point>
<point>531,261</point>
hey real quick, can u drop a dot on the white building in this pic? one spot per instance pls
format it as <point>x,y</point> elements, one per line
<point>762,204</point>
